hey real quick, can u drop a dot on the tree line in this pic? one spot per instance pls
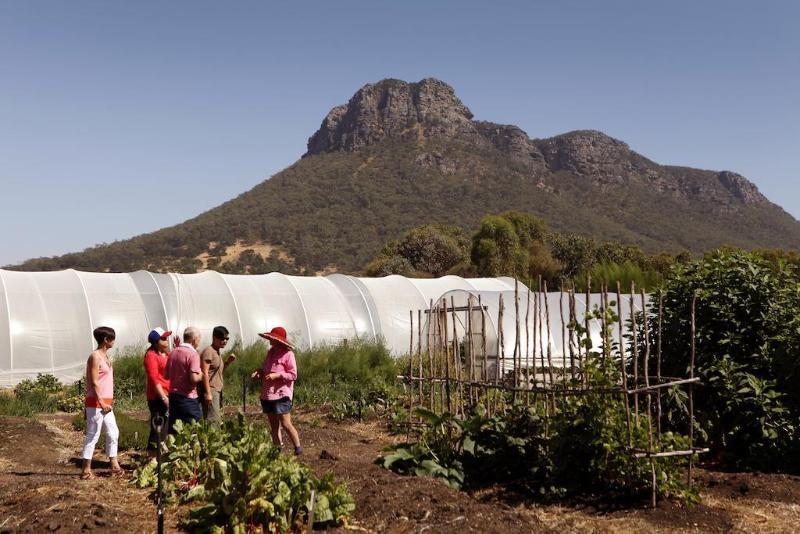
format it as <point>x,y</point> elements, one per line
<point>520,245</point>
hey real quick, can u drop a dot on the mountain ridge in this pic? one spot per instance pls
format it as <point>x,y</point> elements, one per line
<point>400,154</point>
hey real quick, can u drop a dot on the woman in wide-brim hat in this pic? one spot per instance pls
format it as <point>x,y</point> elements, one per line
<point>278,374</point>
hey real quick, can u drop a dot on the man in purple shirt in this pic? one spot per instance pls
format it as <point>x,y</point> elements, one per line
<point>184,372</point>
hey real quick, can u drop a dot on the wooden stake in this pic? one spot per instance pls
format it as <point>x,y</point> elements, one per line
<point>542,332</point>
<point>457,358</point>
<point>624,366</point>
<point>691,390</point>
<point>564,342</point>
<point>516,355</point>
<point>536,334</point>
<point>411,364</point>
<point>485,366</point>
<point>419,354</point>
<point>549,336</point>
<point>589,345</point>
<point>658,362</point>
<point>648,397</point>
<point>573,334</point>
<point>446,347</point>
<point>501,356</point>
<point>431,326</point>
<point>527,345</point>
<point>635,336</point>
<point>471,349</point>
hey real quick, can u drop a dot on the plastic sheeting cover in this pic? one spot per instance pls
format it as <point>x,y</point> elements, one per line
<point>47,318</point>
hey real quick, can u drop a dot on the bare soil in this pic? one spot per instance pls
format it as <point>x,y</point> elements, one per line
<point>40,492</point>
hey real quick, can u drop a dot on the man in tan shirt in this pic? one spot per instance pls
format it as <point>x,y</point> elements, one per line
<point>213,366</point>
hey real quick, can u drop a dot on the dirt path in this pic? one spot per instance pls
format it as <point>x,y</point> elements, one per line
<point>40,492</point>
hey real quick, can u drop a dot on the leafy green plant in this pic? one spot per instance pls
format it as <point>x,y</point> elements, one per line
<point>241,482</point>
<point>437,452</point>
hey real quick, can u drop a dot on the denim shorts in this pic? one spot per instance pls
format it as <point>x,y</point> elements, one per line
<point>278,406</point>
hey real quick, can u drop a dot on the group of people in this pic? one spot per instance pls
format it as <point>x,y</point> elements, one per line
<point>185,385</point>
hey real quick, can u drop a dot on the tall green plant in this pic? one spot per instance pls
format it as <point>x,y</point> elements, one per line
<point>747,341</point>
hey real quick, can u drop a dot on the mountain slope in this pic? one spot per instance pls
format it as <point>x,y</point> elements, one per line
<point>399,155</point>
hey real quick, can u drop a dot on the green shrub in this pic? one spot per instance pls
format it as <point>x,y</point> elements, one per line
<point>28,403</point>
<point>747,346</point>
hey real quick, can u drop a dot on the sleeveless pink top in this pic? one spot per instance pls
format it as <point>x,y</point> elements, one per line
<point>105,380</point>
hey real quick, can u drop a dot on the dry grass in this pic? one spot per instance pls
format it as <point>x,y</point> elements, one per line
<point>233,252</point>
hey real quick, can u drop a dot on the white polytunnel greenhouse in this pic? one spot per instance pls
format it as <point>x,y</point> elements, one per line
<point>47,318</point>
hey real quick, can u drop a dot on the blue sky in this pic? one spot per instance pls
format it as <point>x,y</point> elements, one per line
<point>120,118</point>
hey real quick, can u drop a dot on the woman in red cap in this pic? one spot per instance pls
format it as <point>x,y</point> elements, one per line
<point>277,375</point>
<point>155,360</point>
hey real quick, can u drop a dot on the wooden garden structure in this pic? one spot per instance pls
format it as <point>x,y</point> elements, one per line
<point>454,364</point>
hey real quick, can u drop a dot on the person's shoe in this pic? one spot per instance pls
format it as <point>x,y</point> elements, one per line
<point>298,451</point>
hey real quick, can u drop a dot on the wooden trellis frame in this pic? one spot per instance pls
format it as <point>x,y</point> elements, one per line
<point>453,371</point>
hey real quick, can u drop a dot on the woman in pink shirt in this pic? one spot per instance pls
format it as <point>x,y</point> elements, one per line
<point>278,374</point>
<point>99,398</point>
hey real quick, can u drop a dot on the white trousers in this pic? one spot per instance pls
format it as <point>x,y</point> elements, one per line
<point>96,420</point>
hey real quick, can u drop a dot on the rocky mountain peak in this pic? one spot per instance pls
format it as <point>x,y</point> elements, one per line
<point>741,188</point>
<point>588,152</point>
<point>391,108</point>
